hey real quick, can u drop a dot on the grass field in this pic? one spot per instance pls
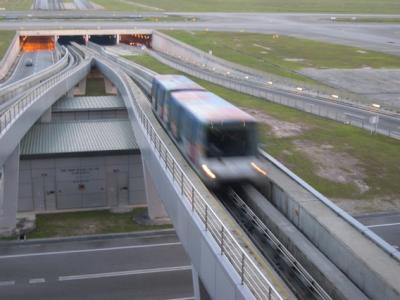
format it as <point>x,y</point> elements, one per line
<point>16,4</point>
<point>88,222</point>
<point>120,5</point>
<point>95,87</point>
<point>378,156</point>
<point>5,40</point>
<point>283,55</point>
<point>340,6</point>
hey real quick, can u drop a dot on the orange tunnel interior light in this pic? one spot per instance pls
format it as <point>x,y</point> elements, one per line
<point>37,43</point>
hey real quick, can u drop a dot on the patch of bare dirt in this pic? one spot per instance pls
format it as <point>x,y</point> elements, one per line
<point>360,206</point>
<point>333,165</point>
<point>279,128</point>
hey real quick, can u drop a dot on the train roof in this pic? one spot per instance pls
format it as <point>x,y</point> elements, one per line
<point>211,108</point>
<point>177,82</point>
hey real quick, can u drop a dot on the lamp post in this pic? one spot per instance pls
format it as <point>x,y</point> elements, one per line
<point>375,119</point>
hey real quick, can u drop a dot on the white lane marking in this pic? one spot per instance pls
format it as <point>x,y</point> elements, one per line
<point>383,225</point>
<point>190,298</point>
<point>123,273</point>
<point>37,280</point>
<point>89,250</point>
<point>5,283</point>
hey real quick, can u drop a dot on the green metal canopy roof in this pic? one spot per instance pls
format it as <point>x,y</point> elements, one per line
<point>84,136</point>
<point>89,103</point>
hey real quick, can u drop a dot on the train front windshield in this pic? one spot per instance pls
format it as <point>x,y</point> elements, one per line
<point>230,140</point>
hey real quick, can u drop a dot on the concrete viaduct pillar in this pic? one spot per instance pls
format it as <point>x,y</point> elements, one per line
<point>46,117</point>
<point>200,292</point>
<point>80,89</point>
<point>156,209</point>
<point>110,87</point>
<point>9,179</point>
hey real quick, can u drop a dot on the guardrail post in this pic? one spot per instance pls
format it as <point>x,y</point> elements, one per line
<point>222,240</point>
<point>242,270</point>
<point>182,182</point>
<point>192,198</point>
<point>173,170</point>
<point>269,293</point>
<point>206,218</point>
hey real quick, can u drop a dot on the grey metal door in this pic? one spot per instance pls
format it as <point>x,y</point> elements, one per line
<point>123,188</point>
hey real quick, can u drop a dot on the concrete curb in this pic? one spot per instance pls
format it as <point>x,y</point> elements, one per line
<point>89,237</point>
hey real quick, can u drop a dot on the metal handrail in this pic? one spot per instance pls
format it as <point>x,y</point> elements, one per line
<point>12,113</point>
<point>246,268</point>
<point>340,212</point>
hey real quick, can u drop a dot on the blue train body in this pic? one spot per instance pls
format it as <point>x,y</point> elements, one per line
<point>217,138</point>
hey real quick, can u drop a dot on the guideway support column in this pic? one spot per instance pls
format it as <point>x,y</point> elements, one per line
<point>200,292</point>
<point>9,178</point>
<point>46,117</point>
<point>80,89</point>
<point>155,208</point>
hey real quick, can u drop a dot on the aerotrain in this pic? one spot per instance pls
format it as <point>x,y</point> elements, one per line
<point>218,139</point>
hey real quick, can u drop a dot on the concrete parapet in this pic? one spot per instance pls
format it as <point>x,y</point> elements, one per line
<point>10,57</point>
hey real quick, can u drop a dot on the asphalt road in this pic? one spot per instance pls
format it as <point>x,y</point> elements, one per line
<point>40,59</point>
<point>380,37</point>
<point>144,267</point>
<point>386,225</point>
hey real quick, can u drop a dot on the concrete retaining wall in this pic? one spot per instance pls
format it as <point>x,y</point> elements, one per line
<point>164,43</point>
<point>10,57</point>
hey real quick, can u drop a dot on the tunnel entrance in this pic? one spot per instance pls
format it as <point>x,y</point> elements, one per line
<point>104,40</point>
<point>37,43</point>
<point>68,39</point>
<point>136,39</point>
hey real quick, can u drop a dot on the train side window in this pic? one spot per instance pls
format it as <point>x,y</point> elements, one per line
<point>178,121</point>
<point>188,128</point>
<point>159,98</point>
<point>174,117</point>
